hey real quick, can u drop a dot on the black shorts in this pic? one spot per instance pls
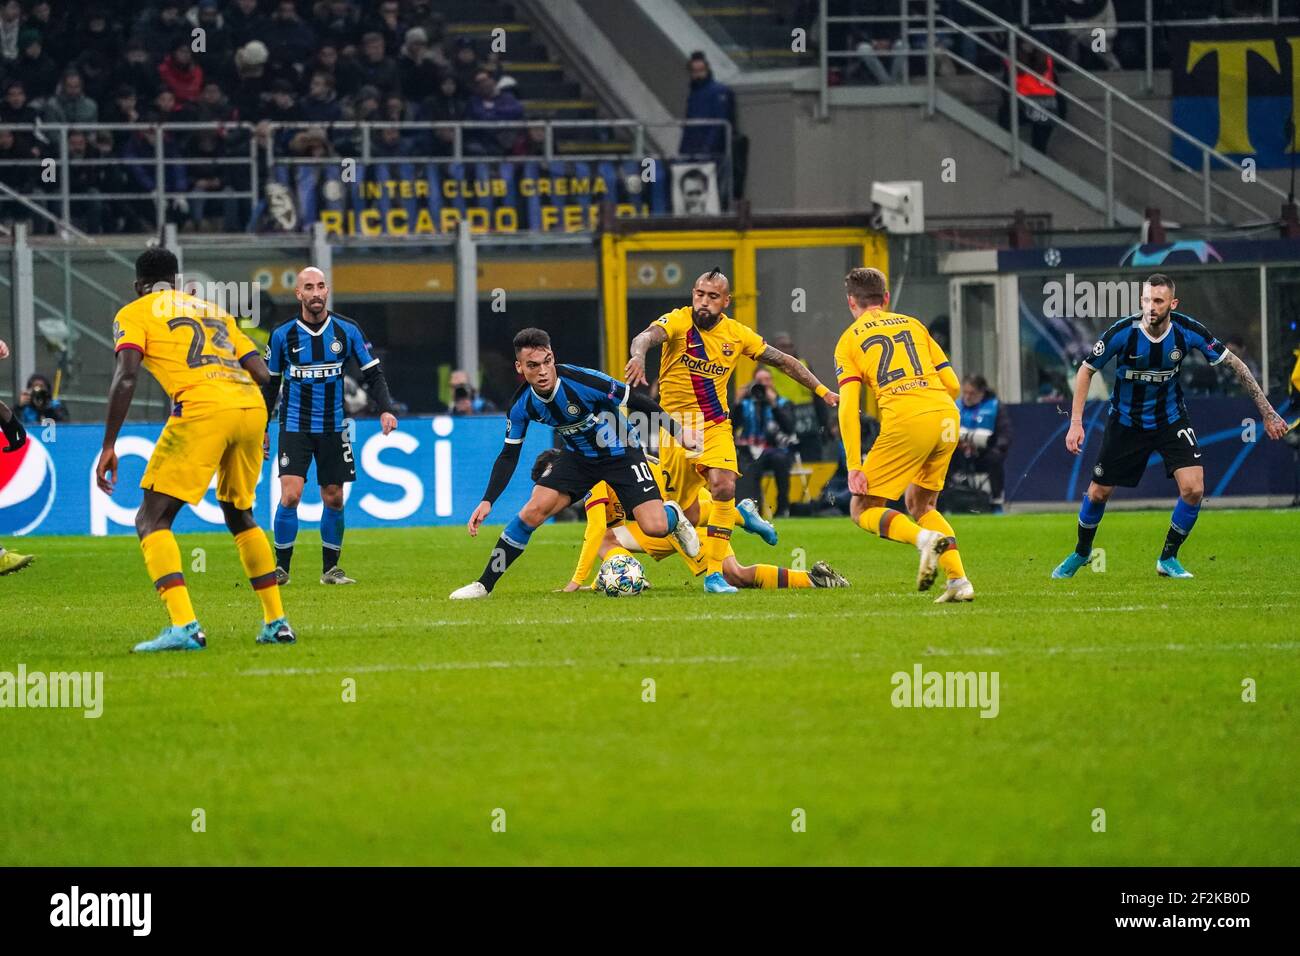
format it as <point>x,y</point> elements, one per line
<point>1125,451</point>
<point>331,451</point>
<point>629,475</point>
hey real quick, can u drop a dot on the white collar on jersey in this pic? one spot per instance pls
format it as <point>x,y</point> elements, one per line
<point>1163,335</point>
<point>555,392</point>
<point>329,317</point>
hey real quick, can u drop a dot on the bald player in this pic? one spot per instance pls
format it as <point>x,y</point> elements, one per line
<point>701,346</point>
<point>306,358</point>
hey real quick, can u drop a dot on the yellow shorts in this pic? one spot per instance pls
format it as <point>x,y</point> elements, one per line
<point>631,537</point>
<point>684,472</point>
<point>913,451</point>
<point>207,440</point>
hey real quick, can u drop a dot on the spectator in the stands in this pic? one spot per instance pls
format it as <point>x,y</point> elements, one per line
<point>708,100</point>
<point>245,22</point>
<point>1080,44</point>
<point>395,109</point>
<point>52,26</point>
<point>160,30</point>
<point>85,180</point>
<point>98,33</point>
<point>984,438</point>
<point>136,70</point>
<point>367,105</point>
<point>179,73</point>
<point>70,104</point>
<point>1228,384</point>
<point>337,23</point>
<point>465,64</point>
<point>378,69</point>
<point>321,104</point>
<point>141,169</point>
<point>214,106</point>
<point>218,45</point>
<point>387,22</point>
<point>168,108</point>
<point>207,175</point>
<point>344,70</point>
<point>288,39</point>
<point>283,108</point>
<point>11,25</point>
<point>1040,102</point>
<point>391,143</point>
<point>416,69</point>
<point>489,105</point>
<point>445,106</point>
<point>252,87</point>
<point>465,399</point>
<point>765,428</point>
<point>36,67</point>
<point>15,108</point>
<point>21,179</point>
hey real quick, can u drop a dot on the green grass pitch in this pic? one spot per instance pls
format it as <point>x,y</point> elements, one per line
<point>1118,691</point>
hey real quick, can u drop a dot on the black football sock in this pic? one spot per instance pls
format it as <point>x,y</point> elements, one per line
<point>1173,541</point>
<point>329,557</point>
<point>283,556</point>
<point>1180,526</point>
<point>510,546</point>
<point>1090,513</point>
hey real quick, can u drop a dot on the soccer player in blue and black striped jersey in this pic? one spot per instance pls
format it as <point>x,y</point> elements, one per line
<point>306,359</point>
<point>584,407</point>
<point>1147,414</point>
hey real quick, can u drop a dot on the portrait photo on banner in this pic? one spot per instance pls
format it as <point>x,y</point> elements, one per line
<point>695,189</point>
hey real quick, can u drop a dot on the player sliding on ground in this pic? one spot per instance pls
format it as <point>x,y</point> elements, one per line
<point>308,354</point>
<point>701,346</point>
<point>916,388</point>
<point>1147,415</point>
<point>610,533</point>
<point>212,372</point>
<point>584,408</point>
<point>15,437</point>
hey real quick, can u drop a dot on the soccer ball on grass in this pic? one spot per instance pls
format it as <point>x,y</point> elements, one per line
<point>621,576</point>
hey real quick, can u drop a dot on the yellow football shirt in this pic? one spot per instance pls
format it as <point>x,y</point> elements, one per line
<point>192,347</point>
<point>695,366</point>
<point>897,361</point>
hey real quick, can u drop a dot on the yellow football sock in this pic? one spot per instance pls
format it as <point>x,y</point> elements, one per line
<point>950,560</point>
<point>614,552</point>
<point>259,564</point>
<point>162,558</point>
<point>769,577</point>
<point>722,519</point>
<point>891,524</point>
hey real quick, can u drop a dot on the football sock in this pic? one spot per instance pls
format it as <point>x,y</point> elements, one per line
<point>1180,526</point>
<point>1089,517</point>
<point>286,533</point>
<point>770,577</point>
<point>259,565</point>
<point>722,520</point>
<point>331,536</point>
<point>510,545</point>
<point>671,515</point>
<point>162,558</point>
<point>950,560</point>
<point>614,552</point>
<point>891,524</point>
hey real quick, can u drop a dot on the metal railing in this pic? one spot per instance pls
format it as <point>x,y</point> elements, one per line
<point>264,147</point>
<point>1149,25</point>
<point>937,27</point>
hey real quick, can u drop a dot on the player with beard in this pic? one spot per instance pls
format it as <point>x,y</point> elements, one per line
<point>306,359</point>
<point>1147,414</point>
<point>701,346</point>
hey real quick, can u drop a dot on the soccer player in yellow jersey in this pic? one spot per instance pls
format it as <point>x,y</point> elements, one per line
<point>611,532</point>
<point>701,346</point>
<point>213,374</point>
<point>915,386</point>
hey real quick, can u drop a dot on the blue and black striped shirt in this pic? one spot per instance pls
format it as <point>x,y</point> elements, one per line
<point>311,362</point>
<point>1147,394</point>
<point>583,410</point>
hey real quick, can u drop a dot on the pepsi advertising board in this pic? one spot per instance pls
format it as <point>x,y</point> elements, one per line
<point>429,471</point>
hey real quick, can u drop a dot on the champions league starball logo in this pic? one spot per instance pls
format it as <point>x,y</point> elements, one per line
<point>27,488</point>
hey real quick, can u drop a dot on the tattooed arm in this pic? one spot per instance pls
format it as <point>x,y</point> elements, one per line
<point>1274,425</point>
<point>799,372</point>
<point>654,335</point>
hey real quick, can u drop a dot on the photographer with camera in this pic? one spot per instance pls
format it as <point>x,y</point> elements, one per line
<point>465,400</point>
<point>765,425</point>
<point>37,403</point>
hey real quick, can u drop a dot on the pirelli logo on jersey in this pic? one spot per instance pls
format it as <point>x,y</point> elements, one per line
<point>704,366</point>
<point>1135,375</point>
<point>311,372</point>
<point>582,426</point>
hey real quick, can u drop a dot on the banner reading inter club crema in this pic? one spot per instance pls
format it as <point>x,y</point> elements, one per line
<point>1235,88</point>
<point>427,199</point>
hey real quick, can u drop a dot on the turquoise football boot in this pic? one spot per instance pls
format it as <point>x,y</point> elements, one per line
<point>189,637</point>
<point>1073,562</point>
<point>1170,568</point>
<point>277,632</point>
<point>715,583</point>
<point>754,522</point>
